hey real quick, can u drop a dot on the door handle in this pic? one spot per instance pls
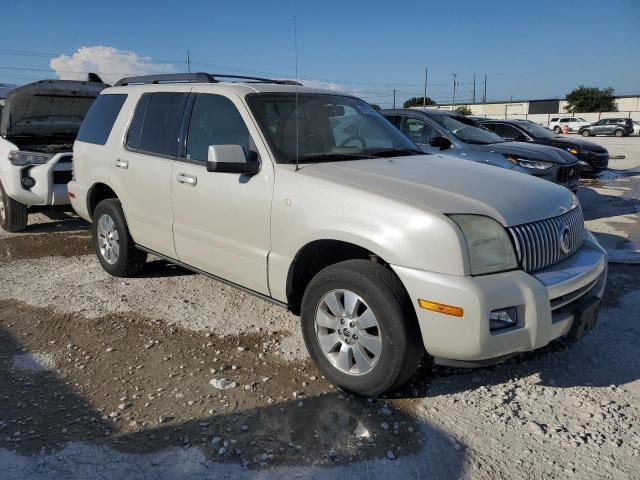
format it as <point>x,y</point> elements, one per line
<point>122,164</point>
<point>187,179</point>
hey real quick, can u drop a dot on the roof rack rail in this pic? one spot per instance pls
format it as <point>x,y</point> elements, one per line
<point>200,77</point>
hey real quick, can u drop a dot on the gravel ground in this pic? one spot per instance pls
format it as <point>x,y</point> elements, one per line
<point>172,375</point>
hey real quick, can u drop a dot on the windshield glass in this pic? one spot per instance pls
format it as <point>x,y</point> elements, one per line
<point>466,130</point>
<point>325,127</point>
<point>536,130</point>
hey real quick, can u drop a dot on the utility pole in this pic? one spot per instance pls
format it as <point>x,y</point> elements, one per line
<point>484,97</point>
<point>474,88</point>
<point>424,99</point>
<point>453,103</point>
<point>394,98</point>
<point>188,61</point>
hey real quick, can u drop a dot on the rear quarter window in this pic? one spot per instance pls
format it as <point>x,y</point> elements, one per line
<point>97,124</point>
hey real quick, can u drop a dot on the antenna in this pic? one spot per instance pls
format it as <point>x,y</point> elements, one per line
<point>295,49</point>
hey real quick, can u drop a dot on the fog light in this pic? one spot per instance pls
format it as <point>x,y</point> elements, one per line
<point>28,182</point>
<point>503,318</point>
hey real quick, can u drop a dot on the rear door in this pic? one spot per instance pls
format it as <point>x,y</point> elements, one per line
<point>141,174</point>
<point>222,220</point>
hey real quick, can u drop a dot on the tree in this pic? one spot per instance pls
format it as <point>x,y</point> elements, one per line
<point>418,102</point>
<point>464,110</point>
<point>591,99</point>
<point>375,106</point>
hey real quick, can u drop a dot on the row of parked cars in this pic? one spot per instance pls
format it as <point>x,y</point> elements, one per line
<point>620,127</point>
<point>387,249</point>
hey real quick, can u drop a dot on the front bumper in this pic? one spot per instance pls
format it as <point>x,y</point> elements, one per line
<point>50,181</point>
<point>545,304</point>
<point>592,161</point>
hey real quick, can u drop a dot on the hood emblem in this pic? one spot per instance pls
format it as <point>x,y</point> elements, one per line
<point>564,238</point>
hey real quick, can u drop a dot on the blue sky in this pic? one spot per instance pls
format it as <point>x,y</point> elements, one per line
<point>534,49</point>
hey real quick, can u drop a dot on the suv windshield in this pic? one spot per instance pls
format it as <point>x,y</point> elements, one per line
<point>467,130</point>
<point>536,130</point>
<point>323,127</point>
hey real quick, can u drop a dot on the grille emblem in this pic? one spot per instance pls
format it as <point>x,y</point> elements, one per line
<point>564,238</point>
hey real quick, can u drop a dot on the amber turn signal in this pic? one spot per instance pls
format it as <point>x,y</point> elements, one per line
<point>440,308</point>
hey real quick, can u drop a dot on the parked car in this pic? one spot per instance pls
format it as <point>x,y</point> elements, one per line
<point>620,127</point>
<point>38,126</point>
<point>438,131</point>
<point>592,157</point>
<point>636,128</point>
<point>573,123</point>
<point>384,252</point>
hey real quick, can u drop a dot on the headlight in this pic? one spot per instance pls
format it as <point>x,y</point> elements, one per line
<point>523,162</point>
<point>572,150</point>
<point>22,159</point>
<point>488,243</point>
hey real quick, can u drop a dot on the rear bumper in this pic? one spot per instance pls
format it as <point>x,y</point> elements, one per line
<point>50,181</point>
<point>78,199</point>
<point>545,303</point>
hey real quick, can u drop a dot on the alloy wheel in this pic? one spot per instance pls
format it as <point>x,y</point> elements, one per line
<point>108,239</point>
<point>348,332</point>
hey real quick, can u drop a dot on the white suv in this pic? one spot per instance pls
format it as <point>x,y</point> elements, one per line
<point>39,124</point>
<point>573,123</point>
<point>384,252</point>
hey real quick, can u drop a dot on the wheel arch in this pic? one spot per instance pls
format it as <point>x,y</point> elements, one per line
<point>99,191</point>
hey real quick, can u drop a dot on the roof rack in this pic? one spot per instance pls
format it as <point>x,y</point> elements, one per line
<point>200,77</point>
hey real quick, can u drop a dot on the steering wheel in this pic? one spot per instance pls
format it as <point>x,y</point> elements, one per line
<point>354,137</point>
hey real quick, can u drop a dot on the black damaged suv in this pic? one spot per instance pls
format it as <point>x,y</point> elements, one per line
<point>592,157</point>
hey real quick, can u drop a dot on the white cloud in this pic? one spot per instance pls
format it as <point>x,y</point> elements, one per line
<point>109,63</point>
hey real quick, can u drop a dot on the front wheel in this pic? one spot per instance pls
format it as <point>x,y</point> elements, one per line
<point>360,328</point>
<point>13,214</point>
<point>586,133</point>
<point>114,246</point>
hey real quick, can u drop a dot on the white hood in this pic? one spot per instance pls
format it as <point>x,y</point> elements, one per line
<point>449,185</point>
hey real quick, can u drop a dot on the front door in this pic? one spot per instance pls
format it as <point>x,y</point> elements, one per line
<point>422,133</point>
<point>222,220</point>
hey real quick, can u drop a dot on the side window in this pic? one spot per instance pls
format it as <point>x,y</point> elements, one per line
<point>97,124</point>
<point>135,128</point>
<point>572,120</point>
<point>395,120</point>
<point>490,126</point>
<point>215,120</point>
<point>507,131</point>
<point>161,125</point>
<point>418,131</point>
<point>554,119</point>
<point>564,120</point>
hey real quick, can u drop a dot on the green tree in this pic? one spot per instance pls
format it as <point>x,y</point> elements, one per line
<point>418,102</point>
<point>591,99</point>
<point>464,110</point>
<point>375,106</point>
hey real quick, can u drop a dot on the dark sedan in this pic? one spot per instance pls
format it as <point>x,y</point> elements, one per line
<point>591,156</point>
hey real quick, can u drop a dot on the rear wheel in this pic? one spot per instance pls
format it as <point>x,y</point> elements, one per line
<point>13,214</point>
<point>619,133</point>
<point>114,246</point>
<point>586,133</point>
<point>557,130</point>
<point>360,328</point>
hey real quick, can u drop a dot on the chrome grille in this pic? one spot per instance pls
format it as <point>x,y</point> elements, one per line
<point>544,243</point>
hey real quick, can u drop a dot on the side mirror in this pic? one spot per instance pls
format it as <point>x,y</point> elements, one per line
<point>440,142</point>
<point>231,159</point>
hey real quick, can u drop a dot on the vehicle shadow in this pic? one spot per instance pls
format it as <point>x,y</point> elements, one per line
<point>160,268</point>
<point>589,362</point>
<point>56,220</point>
<point>329,435</point>
<point>596,205</point>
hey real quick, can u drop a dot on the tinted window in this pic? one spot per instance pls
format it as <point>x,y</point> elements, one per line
<point>215,121</point>
<point>554,119</point>
<point>97,124</point>
<point>161,125</point>
<point>419,131</point>
<point>135,129</point>
<point>506,131</point>
<point>564,119</point>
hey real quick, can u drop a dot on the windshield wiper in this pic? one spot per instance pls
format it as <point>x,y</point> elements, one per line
<point>330,157</point>
<point>395,152</point>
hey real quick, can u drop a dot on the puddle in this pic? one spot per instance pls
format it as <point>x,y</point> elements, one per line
<point>45,245</point>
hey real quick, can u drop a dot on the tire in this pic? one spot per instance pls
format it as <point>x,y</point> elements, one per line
<point>557,130</point>
<point>619,133</point>
<point>114,246</point>
<point>13,214</point>
<point>394,345</point>
<point>586,133</point>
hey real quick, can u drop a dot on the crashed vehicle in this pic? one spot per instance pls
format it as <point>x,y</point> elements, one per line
<point>39,124</point>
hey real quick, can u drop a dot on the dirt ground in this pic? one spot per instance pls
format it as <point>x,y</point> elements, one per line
<point>111,378</point>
